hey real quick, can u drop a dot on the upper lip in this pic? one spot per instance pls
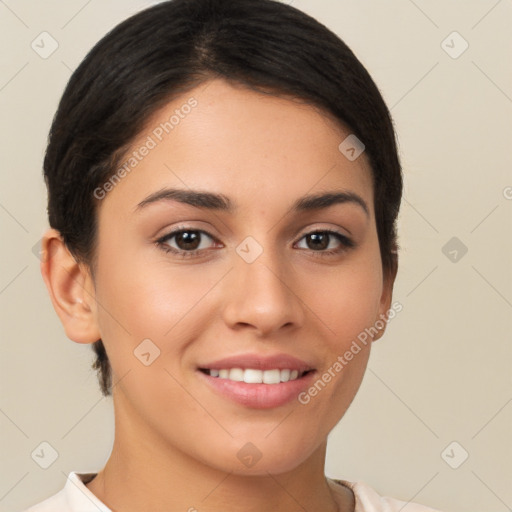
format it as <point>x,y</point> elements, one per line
<point>259,362</point>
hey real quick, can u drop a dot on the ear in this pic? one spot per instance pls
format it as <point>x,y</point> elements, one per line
<point>71,289</point>
<point>387,295</point>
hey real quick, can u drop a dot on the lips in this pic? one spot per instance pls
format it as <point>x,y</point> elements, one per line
<point>259,362</point>
<point>237,378</point>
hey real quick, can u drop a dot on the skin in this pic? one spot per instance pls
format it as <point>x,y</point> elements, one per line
<point>176,440</point>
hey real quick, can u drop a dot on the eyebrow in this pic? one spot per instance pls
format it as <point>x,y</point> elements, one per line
<point>219,202</point>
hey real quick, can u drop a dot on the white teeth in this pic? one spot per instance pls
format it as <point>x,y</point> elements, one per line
<point>285,375</point>
<point>252,376</point>
<point>236,374</point>
<point>271,376</point>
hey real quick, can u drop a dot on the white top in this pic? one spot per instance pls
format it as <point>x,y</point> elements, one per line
<point>76,497</point>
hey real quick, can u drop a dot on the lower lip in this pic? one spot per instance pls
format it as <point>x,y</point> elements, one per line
<point>259,396</point>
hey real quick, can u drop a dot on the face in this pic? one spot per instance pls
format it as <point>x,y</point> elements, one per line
<point>212,246</point>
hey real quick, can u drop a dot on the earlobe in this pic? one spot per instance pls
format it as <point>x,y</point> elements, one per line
<point>71,289</point>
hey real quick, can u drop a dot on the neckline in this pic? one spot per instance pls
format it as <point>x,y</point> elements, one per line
<point>86,478</point>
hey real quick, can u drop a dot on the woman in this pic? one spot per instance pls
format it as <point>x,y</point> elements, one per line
<point>223,185</point>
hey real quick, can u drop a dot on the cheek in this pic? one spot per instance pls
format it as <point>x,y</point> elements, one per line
<point>140,299</point>
<point>345,304</point>
<point>347,299</point>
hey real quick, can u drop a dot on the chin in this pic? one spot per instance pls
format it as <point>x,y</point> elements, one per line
<point>260,458</point>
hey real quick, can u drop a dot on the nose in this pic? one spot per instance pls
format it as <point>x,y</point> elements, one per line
<point>260,296</point>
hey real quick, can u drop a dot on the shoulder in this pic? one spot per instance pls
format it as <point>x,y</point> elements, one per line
<point>74,497</point>
<point>368,500</point>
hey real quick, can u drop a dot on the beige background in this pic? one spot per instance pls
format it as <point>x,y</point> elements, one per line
<point>442,372</point>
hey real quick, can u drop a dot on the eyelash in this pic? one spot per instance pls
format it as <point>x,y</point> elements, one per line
<point>346,243</point>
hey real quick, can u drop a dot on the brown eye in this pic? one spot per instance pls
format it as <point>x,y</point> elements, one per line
<point>317,241</point>
<point>322,241</point>
<point>186,241</point>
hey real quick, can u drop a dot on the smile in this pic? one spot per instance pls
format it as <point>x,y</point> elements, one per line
<point>255,376</point>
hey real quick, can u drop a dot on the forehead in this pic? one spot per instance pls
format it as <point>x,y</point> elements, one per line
<point>256,148</point>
